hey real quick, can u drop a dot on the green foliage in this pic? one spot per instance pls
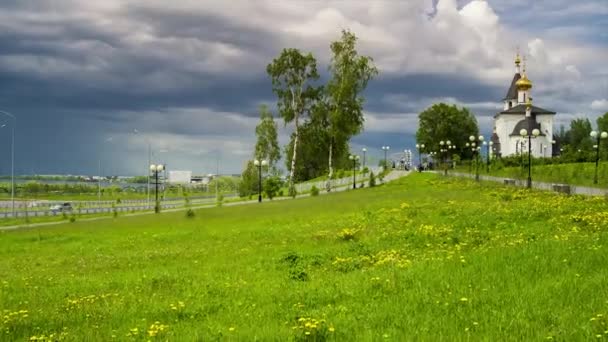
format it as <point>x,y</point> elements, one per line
<point>249,183</point>
<point>372,180</point>
<point>313,150</point>
<point>292,192</point>
<point>219,200</point>
<point>341,106</point>
<point>190,213</point>
<point>577,138</point>
<point>292,75</point>
<point>271,186</point>
<point>445,122</point>
<point>267,144</point>
<point>314,191</point>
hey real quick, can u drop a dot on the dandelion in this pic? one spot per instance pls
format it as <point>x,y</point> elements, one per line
<point>464,299</point>
<point>231,329</point>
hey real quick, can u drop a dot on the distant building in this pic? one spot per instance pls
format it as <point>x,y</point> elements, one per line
<point>519,113</point>
<point>179,177</point>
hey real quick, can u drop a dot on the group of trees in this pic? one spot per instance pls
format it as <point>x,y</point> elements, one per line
<point>575,142</point>
<point>446,122</point>
<point>324,116</point>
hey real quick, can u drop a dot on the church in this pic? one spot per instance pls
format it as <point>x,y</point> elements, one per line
<point>519,113</point>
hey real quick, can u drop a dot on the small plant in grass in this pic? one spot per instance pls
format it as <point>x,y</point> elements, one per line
<point>348,234</point>
<point>114,210</point>
<point>190,213</point>
<point>219,200</point>
<point>314,191</point>
<point>73,218</point>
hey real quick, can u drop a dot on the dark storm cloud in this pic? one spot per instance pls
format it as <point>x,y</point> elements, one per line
<point>76,74</point>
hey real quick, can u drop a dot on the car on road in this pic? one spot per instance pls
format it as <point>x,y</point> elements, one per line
<point>64,207</point>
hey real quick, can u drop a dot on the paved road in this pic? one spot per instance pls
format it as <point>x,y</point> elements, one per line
<point>574,189</point>
<point>390,177</point>
<point>42,208</point>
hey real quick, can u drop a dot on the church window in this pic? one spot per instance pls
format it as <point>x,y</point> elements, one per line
<point>510,104</point>
<point>524,97</point>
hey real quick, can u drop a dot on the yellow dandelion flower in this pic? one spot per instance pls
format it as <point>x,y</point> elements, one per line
<point>231,329</point>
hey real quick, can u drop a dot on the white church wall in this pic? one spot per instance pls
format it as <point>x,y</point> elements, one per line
<point>504,127</point>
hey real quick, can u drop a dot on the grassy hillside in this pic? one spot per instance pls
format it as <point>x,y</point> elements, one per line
<point>423,258</point>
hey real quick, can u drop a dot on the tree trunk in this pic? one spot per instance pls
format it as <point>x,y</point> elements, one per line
<point>295,150</point>
<point>331,170</point>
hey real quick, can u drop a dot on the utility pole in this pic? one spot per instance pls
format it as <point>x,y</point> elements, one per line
<point>99,183</point>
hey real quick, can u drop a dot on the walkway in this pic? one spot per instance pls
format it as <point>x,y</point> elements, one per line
<point>390,177</point>
<point>574,189</point>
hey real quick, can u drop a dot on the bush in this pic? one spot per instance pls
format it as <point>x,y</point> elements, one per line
<point>271,186</point>
<point>190,213</point>
<point>292,191</point>
<point>219,200</point>
<point>314,191</point>
<point>372,180</point>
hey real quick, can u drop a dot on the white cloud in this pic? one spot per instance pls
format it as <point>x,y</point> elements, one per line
<point>600,105</point>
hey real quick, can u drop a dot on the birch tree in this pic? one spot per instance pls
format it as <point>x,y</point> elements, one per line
<point>293,75</point>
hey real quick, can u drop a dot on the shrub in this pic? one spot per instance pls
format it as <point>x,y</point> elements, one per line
<point>314,191</point>
<point>292,191</point>
<point>372,180</point>
<point>190,213</point>
<point>73,218</point>
<point>219,200</point>
<point>271,186</point>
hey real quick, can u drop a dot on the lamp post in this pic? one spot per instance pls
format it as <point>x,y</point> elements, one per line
<point>385,149</point>
<point>444,147</point>
<point>12,159</point>
<point>364,150</point>
<point>354,159</point>
<point>156,170</point>
<point>524,133</point>
<point>597,136</point>
<point>259,164</point>
<point>419,147</point>
<point>475,142</point>
<point>488,145</point>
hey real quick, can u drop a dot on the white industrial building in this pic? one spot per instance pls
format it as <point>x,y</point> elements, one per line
<point>179,177</point>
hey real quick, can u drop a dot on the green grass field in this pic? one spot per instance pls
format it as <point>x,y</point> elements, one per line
<point>574,174</point>
<point>421,258</point>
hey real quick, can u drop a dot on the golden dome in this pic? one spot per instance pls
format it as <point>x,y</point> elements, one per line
<point>523,83</point>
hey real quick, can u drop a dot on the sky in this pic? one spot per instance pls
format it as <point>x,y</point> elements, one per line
<point>189,75</point>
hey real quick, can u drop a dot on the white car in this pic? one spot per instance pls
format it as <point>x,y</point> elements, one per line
<point>67,206</point>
